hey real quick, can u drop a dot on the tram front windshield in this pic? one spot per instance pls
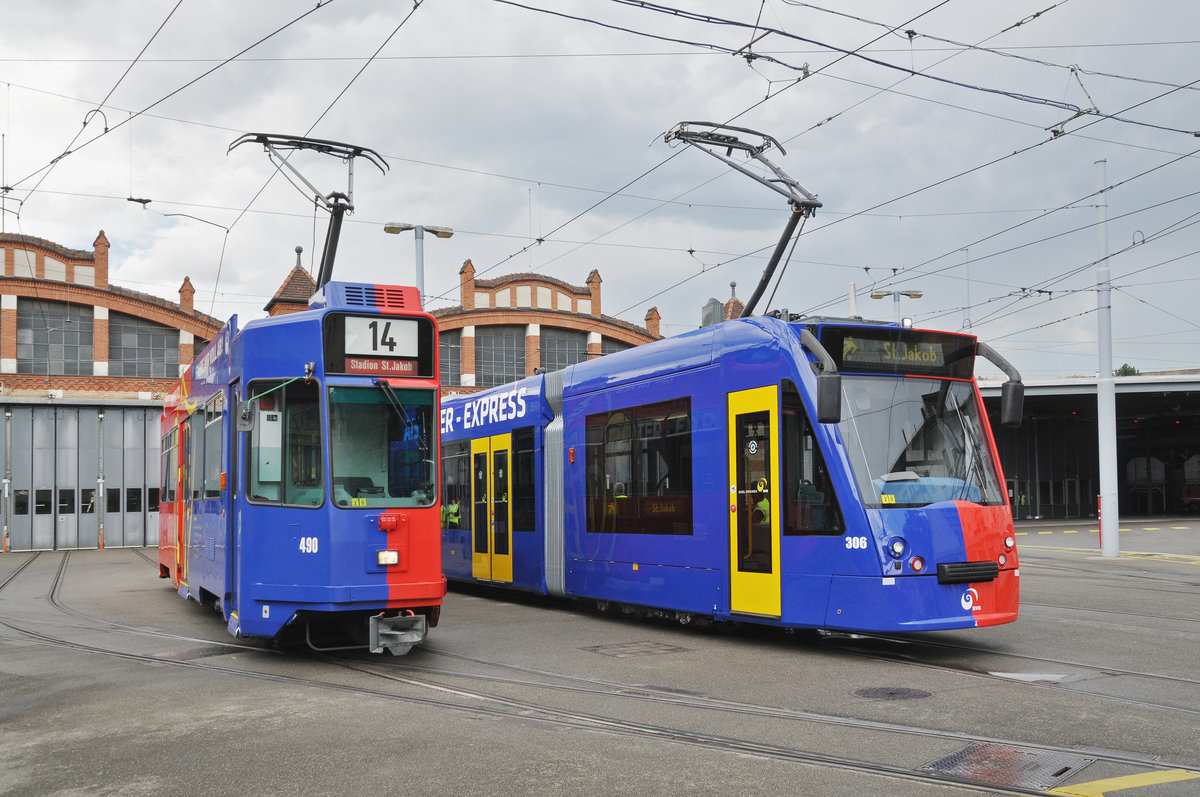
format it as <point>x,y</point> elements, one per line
<point>382,446</point>
<point>914,442</point>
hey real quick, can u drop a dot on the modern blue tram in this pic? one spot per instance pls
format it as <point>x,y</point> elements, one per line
<point>806,473</point>
<point>299,485</point>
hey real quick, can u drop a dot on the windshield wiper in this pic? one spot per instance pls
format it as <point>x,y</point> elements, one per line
<point>405,421</point>
<point>972,448</point>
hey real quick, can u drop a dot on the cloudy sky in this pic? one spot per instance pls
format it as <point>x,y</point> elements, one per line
<point>953,146</point>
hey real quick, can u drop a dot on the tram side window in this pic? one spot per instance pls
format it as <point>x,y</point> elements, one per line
<point>170,464</point>
<point>20,502</point>
<point>284,461</point>
<point>456,480</point>
<point>524,515</point>
<point>213,453</point>
<point>195,456</point>
<point>456,484</point>
<point>639,469</point>
<point>809,503</point>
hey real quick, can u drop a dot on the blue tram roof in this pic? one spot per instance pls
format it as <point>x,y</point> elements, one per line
<point>695,349</point>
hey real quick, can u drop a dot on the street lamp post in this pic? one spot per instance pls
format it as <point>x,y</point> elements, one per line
<point>911,294</point>
<point>396,227</point>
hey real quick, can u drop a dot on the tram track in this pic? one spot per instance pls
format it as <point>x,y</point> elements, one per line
<point>1102,574</point>
<point>1096,670</point>
<point>1058,607</point>
<point>17,572</point>
<point>478,702</point>
<point>844,643</point>
<point>421,675</point>
<point>92,621</point>
<point>463,691</point>
<point>658,695</point>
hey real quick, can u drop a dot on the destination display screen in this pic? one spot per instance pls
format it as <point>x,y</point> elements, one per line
<point>379,345</point>
<point>874,350</point>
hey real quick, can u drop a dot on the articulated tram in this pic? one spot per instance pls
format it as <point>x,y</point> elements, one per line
<point>807,473</point>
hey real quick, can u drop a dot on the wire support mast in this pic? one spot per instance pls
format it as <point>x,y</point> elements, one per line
<point>716,137</point>
<point>337,203</point>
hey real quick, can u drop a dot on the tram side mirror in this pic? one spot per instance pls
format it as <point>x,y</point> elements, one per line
<point>829,398</point>
<point>1012,403</point>
<point>245,416</point>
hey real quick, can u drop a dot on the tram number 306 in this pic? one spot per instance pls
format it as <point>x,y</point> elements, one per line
<point>308,545</point>
<point>856,543</point>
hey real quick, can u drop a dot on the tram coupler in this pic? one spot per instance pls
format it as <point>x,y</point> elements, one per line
<point>396,635</point>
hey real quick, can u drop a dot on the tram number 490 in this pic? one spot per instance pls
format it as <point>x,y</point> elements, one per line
<point>308,545</point>
<point>856,543</point>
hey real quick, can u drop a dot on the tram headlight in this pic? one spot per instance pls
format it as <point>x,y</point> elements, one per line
<point>896,547</point>
<point>1009,542</point>
<point>386,558</point>
<point>1002,560</point>
<point>917,564</point>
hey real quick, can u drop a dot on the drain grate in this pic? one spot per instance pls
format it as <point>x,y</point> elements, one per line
<point>1002,765</point>
<point>626,650</point>
<point>892,693</point>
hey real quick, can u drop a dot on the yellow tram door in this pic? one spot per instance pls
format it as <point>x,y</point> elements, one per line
<point>754,576</point>
<point>491,509</point>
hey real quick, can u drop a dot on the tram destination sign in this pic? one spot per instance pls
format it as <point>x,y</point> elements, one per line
<point>380,337</point>
<point>379,345</point>
<point>867,351</point>
<point>890,350</point>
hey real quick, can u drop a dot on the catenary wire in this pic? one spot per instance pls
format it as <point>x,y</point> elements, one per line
<point>100,105</point>
<point>320,4</point>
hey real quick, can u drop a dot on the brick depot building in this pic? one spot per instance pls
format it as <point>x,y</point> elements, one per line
<point>516,325</point>
<point>83,368</point>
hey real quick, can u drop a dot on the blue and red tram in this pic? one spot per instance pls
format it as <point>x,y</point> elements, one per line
<point>299,455</point>
<point>826,474</point>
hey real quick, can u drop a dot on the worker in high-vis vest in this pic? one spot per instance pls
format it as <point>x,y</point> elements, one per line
<point>450,515</point>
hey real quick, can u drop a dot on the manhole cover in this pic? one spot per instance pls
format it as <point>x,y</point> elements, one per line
<point>1015,767</point>
<point>892,693</point>
<point>625,650</point>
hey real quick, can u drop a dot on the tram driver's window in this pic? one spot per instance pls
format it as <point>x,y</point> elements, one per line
<point>809,503</point>
<point>284,462</point>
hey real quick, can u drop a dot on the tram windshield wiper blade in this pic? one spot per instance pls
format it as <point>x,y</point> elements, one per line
<point>383,385</point>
